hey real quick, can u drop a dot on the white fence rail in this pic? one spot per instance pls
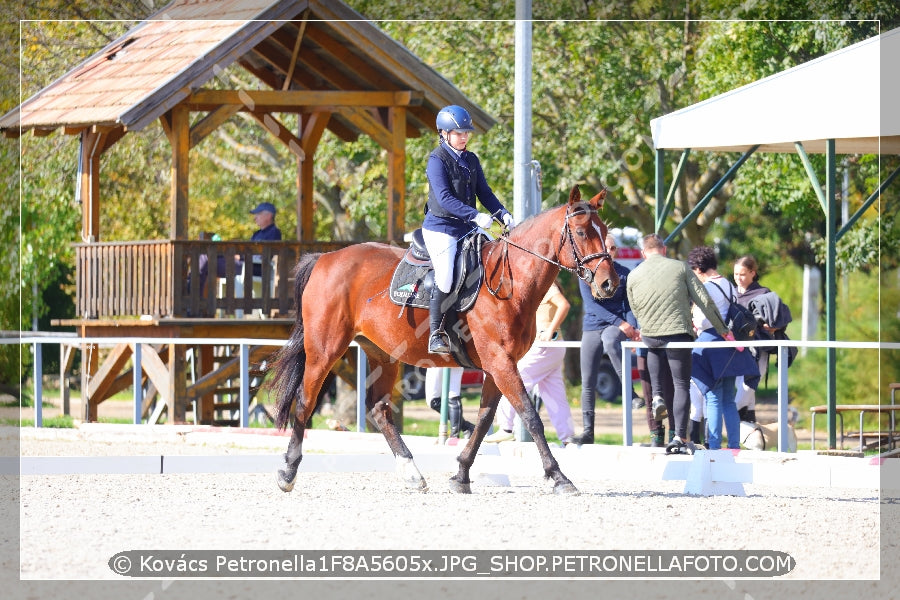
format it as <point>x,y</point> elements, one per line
<point>37,340</point>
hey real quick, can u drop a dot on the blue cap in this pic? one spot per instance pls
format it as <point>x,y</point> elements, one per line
<point>264,206</point>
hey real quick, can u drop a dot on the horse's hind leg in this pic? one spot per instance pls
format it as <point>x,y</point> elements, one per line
<point>380,407</point>
<point>315,373</point>
<point>287,476</point>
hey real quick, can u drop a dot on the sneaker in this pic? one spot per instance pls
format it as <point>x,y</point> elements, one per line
<point>637,402</point>
<point>499,436</point>
<point>677,446</point>
<point>659,408</point>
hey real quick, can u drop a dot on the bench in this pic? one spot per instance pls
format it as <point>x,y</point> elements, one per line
<point>891,434</point>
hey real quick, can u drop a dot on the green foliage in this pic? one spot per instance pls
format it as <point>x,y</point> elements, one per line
<point>857,370</point>
<point>596,84</point>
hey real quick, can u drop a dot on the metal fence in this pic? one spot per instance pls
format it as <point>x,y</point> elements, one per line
<point>37,340</point>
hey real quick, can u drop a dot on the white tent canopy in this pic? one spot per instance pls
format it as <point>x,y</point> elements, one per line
<point>851,95</point>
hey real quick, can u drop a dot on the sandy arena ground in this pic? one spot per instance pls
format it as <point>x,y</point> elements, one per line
<point>71,525</point>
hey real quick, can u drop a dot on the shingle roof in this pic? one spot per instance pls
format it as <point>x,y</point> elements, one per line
<point>157,64</point>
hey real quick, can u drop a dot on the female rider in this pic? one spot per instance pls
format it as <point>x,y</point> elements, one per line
<point>455,180</point>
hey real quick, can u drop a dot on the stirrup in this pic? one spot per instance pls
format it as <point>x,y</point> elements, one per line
<point>439,343</point>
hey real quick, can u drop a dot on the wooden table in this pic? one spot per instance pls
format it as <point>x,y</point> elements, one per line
<point>840,409</point>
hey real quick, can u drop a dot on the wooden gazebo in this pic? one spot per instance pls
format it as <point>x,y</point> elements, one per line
<point>320,60</point>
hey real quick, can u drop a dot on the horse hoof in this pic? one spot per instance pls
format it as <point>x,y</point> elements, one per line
<point>460,488</point>
<point>286,485</point>
<point>566,488</point>
<point>410,474</point>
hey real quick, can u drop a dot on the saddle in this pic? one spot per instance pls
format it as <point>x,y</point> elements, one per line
<point>414,277</point>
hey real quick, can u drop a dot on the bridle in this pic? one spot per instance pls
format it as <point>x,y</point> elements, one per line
<point>580,270</point>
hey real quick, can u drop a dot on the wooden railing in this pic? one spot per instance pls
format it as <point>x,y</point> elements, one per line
<point>201,279</point>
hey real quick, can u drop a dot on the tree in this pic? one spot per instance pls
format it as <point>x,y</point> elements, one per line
<point>597,84</point>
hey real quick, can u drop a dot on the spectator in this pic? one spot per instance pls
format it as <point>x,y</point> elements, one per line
<point>606,324</point>
<point>541,367</point>
<point>434,384</point>
<point>660,291</point>
<point>657,426</point>
<point>264,216</point>
<point>714,369</point>
<point>455,180</point>
<point>746,277</point>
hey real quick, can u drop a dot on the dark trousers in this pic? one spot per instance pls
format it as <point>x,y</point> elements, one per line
<point>672,364</point>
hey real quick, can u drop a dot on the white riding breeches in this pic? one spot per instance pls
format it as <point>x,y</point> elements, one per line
<point>442,249</point>
<point>434,382</point>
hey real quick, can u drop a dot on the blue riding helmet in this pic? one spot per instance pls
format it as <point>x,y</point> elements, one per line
<point>454,117</point>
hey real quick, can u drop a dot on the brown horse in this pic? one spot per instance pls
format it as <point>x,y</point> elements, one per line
<point>342,296</point>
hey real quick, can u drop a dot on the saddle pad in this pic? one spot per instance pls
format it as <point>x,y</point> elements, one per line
<point>408,286</point>
<point>412,282</point>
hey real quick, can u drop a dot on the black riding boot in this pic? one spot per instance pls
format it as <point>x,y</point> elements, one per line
<point>695,434</point>
<point>438,343</point>
<point>459,427</point>
<point>586,436</point>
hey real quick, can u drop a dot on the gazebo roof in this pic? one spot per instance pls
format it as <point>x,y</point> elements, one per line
<point>165,59</point>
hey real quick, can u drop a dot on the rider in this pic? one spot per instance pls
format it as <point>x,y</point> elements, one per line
<point>455,179</point>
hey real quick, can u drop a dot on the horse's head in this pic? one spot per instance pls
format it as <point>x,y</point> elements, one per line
<point>586,234</point>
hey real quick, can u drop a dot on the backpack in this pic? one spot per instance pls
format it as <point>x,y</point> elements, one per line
<point>739,319</point>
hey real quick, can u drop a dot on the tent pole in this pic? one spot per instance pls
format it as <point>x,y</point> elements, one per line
<point>865,205</point>
<point>670,197</point>
<point>660,184</point>
<point>830,282</point>
<point>712,192</point>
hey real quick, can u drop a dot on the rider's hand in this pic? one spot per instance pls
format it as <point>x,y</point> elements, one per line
<point>508,220</point>
<point>483,220</point>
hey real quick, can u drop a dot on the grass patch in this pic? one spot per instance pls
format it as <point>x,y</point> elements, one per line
<point>58,422</point>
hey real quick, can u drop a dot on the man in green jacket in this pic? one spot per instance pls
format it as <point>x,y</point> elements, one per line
<point>660,291</point>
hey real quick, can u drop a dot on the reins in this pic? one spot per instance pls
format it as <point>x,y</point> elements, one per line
<point>580,270</point>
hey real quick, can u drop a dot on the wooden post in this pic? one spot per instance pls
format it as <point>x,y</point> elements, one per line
<point>176,402</point>
<point>180,139</point>
<point>396,206</point>
<point>89,184</point>
<point>207,400</point>
<point>89,365</point>
<point>311,127</point>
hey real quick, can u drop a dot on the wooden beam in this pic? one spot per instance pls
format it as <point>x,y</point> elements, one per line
<point>156,371</point>
<point>300,30</point>
<point>211,380</point>
<point>369,125</point>
<point>271,124</point>
<point>211,122</point>
<point>106,375</point>
<point>299,100</point>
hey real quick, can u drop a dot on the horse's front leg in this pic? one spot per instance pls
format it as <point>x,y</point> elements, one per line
<point>382,413</point>
<point>513,388</point>
<point>490,396</point>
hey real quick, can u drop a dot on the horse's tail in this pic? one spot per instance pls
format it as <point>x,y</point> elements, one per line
<point>290,362</point>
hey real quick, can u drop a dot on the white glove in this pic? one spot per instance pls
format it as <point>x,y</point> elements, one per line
<point>483,220</point>
<point>508,220</point>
